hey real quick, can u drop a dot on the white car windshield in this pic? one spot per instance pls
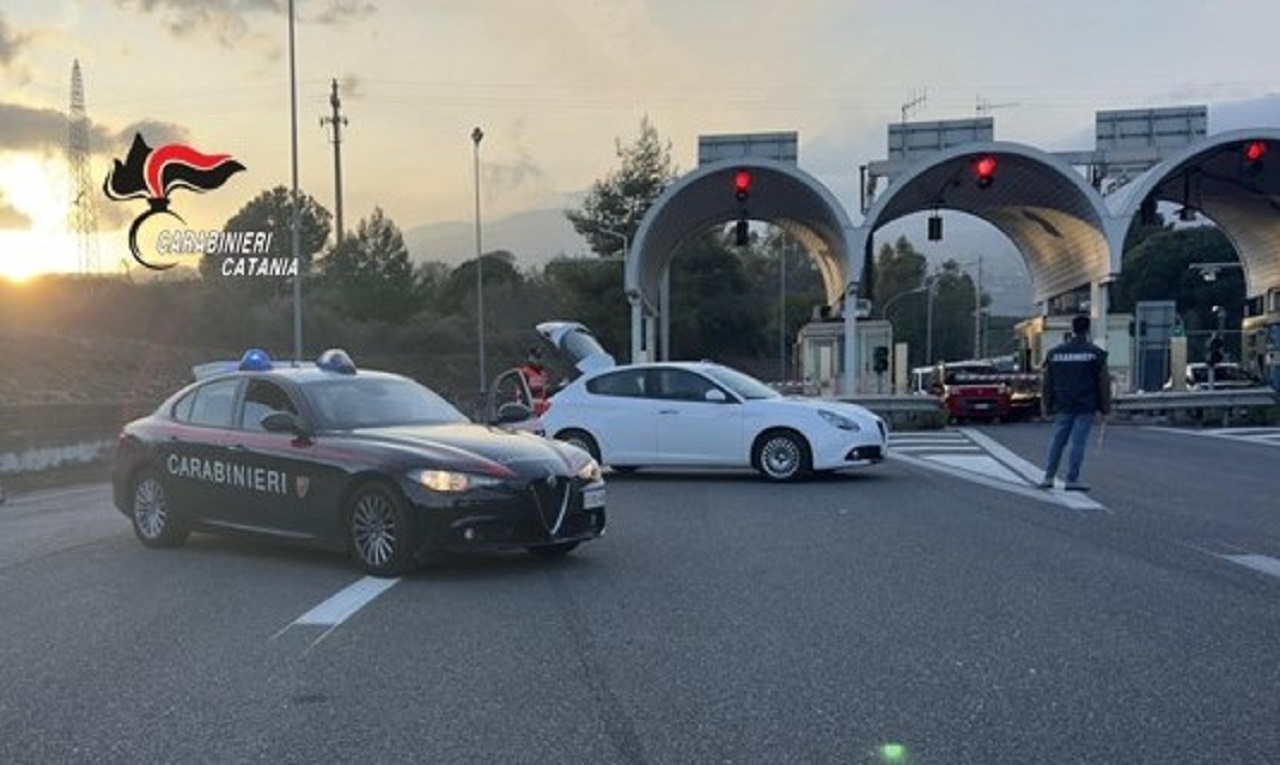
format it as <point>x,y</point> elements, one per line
<point>744,385</point>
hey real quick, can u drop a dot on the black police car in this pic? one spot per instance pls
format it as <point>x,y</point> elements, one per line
<point>369,461</point>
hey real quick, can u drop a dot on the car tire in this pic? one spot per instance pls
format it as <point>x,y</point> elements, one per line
<point>153,519</point>
<point>380,531</point>
<point>782,455</point>
<point>581,439</point>
<point>553,551</point>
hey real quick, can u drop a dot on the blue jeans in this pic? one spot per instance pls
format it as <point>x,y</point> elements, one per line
<point>1076,428</point>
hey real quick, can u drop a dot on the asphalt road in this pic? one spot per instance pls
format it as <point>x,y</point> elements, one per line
<point>722,620</point>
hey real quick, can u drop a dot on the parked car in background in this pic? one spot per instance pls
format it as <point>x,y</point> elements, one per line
<point>1226,376</point>
<point>973,390</point>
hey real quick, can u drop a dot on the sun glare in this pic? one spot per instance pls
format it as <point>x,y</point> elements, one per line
<point>35,188</point>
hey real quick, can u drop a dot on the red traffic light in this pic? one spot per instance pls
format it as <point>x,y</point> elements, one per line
<point>742,184</point>
<point>1254,151</point>
<point>985,169</point>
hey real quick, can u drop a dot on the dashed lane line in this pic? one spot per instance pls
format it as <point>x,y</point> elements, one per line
<point>1263,563</point>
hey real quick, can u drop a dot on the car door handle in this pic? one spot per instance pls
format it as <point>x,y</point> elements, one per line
<point>238,448</point>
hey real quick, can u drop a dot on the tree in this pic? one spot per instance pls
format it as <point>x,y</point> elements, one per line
<point>1159,268</point>
<point>619,201</point>
<point>370,274</point>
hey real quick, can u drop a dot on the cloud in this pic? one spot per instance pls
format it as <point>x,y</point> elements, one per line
<point>25,128</point>
<point>227,21</point>
<point>11,218</point>
<point>154,132</point>
<point>11,42</point>
<point>342,11</point>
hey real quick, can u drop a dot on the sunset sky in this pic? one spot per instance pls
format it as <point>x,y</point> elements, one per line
<point>554,83</point>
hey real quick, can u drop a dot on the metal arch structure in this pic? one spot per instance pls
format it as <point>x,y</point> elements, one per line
<point>1212,177</point>
<point>780,193</point>
<point>1055,219</point>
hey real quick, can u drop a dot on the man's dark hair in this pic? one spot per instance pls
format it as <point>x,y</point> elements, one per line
<point>1080,325</point>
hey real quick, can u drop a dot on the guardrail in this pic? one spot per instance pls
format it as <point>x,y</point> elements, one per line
<point>1196,403</point>
<point>905,411</point>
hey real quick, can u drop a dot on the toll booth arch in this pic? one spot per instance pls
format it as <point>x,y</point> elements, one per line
<point>778,193</point>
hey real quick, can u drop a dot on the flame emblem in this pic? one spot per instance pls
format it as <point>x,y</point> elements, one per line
<point>154,174</point>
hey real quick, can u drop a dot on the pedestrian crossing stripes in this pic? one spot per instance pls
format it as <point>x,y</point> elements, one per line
<point>1263,436</point>
<point>970,455</point>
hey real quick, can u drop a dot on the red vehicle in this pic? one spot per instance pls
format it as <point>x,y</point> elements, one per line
<point>973,390</point>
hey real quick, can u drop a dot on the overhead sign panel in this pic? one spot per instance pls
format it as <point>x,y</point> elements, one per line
<point>780,147</point>
<point>1168,127</point>
<point>912,139</point>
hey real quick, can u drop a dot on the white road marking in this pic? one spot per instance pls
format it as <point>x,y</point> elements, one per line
<point>1264,436</point>
<point>340,606</point>
<point>1264,563</point>
<point>993,465</point>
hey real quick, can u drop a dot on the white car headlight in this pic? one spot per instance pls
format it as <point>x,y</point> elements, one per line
<point>590,472</point>
<point>451,482</point>
<point>838,420</point>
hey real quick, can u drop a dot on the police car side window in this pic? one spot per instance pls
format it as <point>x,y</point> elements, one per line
<point>213,403</point>
<point>261,399</point>
<point>182,409</point>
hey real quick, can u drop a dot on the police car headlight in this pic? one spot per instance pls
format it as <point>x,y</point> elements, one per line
<point>590,472</point>
<point>450,481</point>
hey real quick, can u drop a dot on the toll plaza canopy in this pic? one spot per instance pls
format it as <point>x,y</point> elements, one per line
<point>1231,178</point>
<point>778,192</point>
<point>1057,221</point>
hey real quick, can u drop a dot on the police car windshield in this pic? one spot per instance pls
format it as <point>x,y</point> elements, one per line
<point>742,384</point>
<point>346,403</point>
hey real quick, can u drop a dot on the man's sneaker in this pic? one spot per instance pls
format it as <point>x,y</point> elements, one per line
<point>1045,484</point>
<point>1077,486</point>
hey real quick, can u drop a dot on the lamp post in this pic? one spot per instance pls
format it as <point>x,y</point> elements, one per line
<point>295,224</point>
<point>930,287</point>
<point>476,136</point>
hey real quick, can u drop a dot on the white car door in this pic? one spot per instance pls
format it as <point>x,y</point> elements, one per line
<point>623,420</point>
<point>697,422</point>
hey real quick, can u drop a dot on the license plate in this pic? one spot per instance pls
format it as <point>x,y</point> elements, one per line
<point>593,498</point>
<point>982,405</point>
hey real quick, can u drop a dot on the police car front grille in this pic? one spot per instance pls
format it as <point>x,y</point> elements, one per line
<point>552,497</point>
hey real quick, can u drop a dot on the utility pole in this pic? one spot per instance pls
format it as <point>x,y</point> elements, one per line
<point>338,121</point>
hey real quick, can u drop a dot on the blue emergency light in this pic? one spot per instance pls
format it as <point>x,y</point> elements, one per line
<point>255,360</point>
<point>336,360</point>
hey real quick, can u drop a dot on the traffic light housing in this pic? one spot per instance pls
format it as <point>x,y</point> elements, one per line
<point>742,185</point>
<point>1254,153</point>
<point>1215,356</point>
<point>984,170</point>
<point>742,233</point>
<point>880,359</point>
<point>935,228</point>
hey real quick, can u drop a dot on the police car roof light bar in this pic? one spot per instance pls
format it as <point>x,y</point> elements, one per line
<point>336,360</point>
<point>255,360</point>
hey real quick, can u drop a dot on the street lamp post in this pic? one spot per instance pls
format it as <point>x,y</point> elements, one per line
<point>476,136</point>
<point>928,286</point>
<point>295,224</point>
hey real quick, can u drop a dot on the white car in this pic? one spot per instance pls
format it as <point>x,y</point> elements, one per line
<point>700,414</point>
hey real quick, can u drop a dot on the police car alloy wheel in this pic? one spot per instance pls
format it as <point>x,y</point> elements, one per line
<point>380,531</point>
<point>782,456</point>
<point>153,520</point>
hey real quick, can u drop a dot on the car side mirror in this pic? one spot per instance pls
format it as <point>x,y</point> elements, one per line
<point>512,412</point>
<point>715,396</point>
<point>286,422</point>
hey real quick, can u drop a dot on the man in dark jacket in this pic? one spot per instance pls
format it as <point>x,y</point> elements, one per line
<point>1076,388</point>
